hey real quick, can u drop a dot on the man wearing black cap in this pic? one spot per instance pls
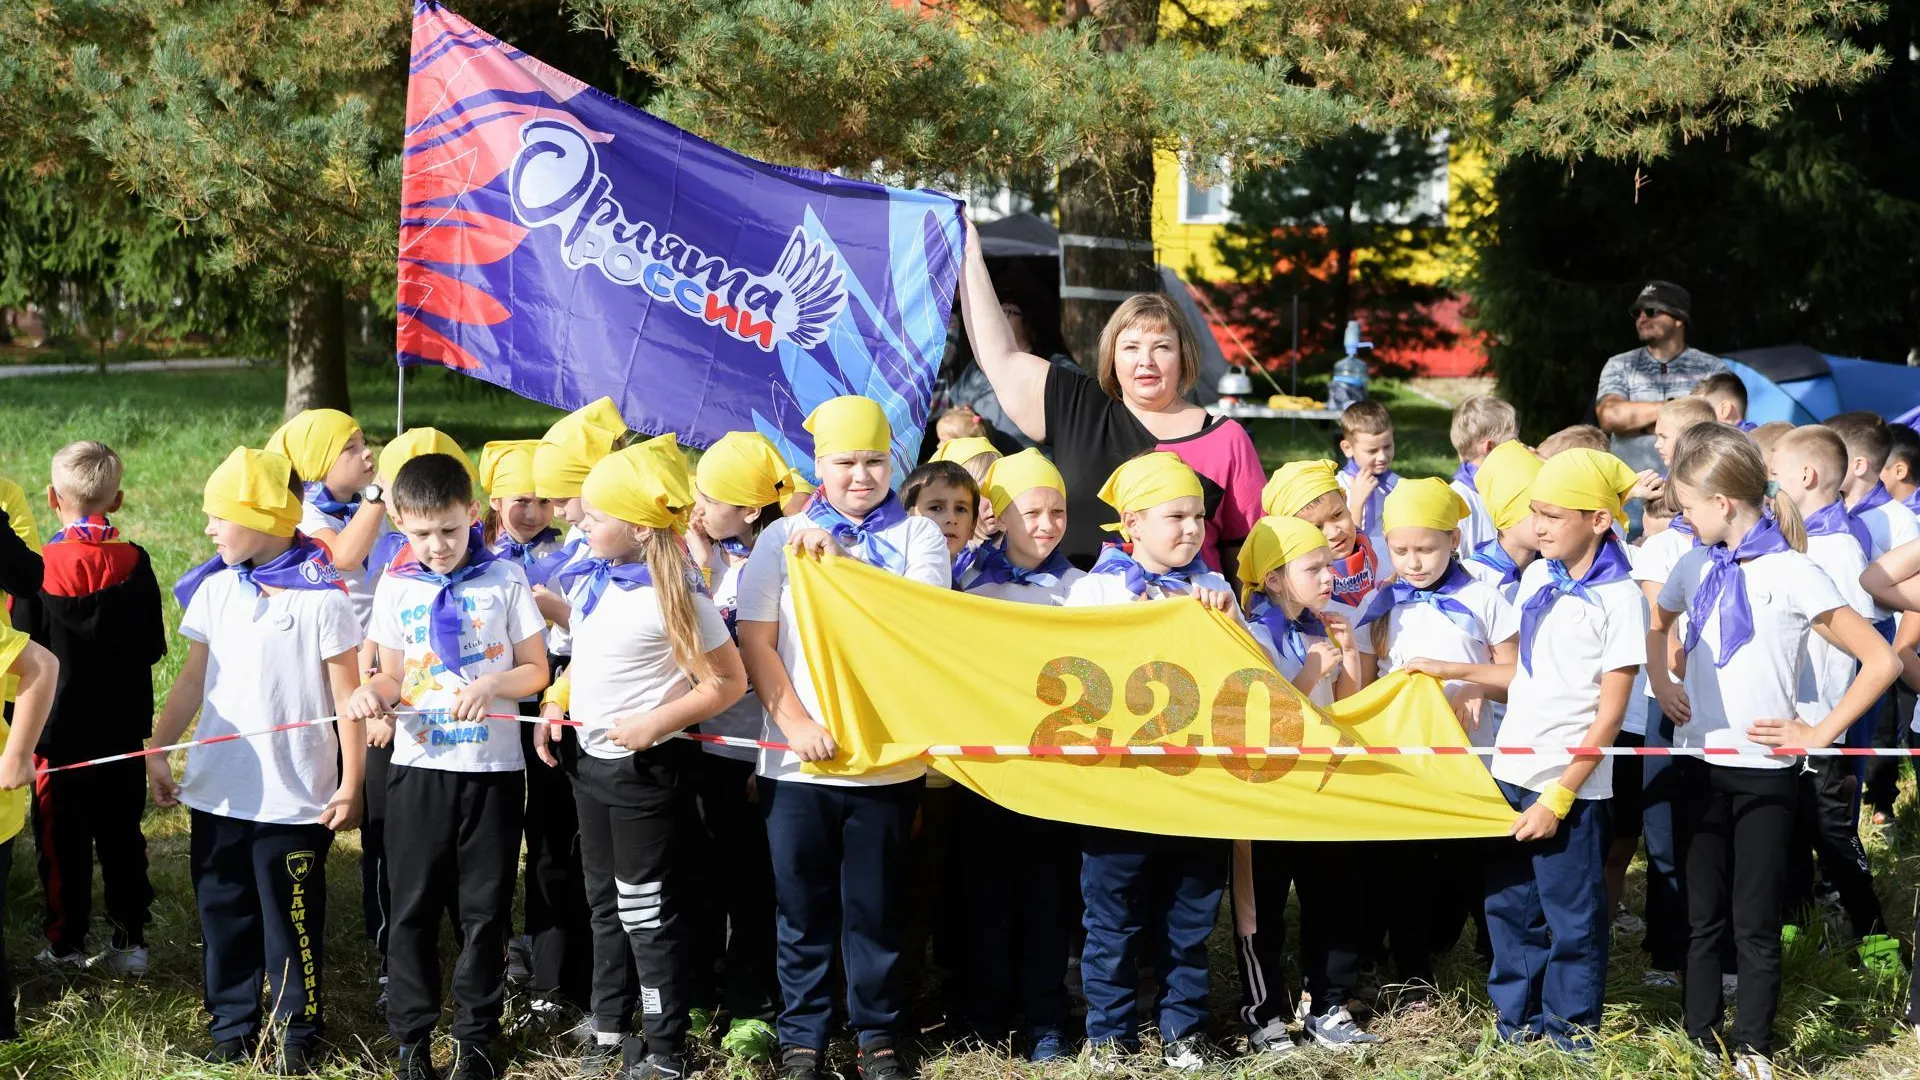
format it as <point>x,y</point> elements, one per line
<point>1634,384</point>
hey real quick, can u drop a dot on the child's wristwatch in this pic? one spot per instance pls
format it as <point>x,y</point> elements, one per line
<point>373,493</point>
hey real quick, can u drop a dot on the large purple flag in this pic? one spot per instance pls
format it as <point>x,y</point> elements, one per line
<point>568,246</point>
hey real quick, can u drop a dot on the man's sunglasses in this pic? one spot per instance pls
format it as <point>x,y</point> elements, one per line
<point>1647,312</point>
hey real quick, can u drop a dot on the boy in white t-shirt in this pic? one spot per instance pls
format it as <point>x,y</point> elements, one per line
<point>1480,423</point>
<point>460,640</point>
<point>273,639</point>
<point>1582,637</point>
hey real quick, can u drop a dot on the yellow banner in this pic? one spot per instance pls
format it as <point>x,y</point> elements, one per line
<point>901,666</point>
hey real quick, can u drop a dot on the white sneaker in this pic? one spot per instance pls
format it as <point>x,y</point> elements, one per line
<point>1659,979</point>
<point>47,958</point>
<point>132,961</point>
<point>1626,922</point>
<point>1729,984</point>
<point>1753,1067</point>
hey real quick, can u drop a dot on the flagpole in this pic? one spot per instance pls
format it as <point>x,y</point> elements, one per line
<point>400,403</point>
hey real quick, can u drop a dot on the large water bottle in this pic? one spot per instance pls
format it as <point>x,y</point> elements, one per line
<point>1349,372</point>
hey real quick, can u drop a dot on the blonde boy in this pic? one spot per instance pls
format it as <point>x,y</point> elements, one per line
<point>1578,436</point>
<point>1480,423</point>
<point>1673,420</point>
<point>1366,441</point>
<point>1504,481</point>
<point>1724,391</point>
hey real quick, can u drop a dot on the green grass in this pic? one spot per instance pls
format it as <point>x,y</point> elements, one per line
<point>172,429</point>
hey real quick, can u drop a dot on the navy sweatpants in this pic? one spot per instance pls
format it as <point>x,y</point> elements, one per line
<point>839,865</point>
<point>1019,873</point>
<point>1143,891</point>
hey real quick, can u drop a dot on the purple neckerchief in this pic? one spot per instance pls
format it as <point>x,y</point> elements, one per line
<point>1116,559</point>
<point>1376,501</point>
<point>734,547</point>
<point>962,562</point>
<point>993,567</point>
<point>600,573</point>
<point>322,500</point>
<point>1745,426</point>
<point>1289,635</point>
<point>527,554</point>
<point>444,616</point>
<point>1912,502</point>
<point>1466,472</point>
<point>1609,565</point>
<point>546,566</point>
<point>1493,555</point>
<point>305,565</point>
<point>861,539</point>
<point>1879,496</point>
<point>91,529</point>
<point>1724,588</point>
<point>1439,597</point>
<point>386,548</point>
<point>1833,518</point>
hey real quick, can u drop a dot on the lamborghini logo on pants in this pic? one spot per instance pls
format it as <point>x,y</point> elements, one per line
<point>299,863</point>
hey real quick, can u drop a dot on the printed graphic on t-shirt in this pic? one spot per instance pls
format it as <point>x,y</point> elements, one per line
<point>426,675</point>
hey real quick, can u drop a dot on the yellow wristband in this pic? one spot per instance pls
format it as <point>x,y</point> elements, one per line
<point>560,693</point>
<point>1558,799</point>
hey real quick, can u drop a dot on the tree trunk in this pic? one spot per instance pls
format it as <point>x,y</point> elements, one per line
<point>1109,200</point>
<point>316,347</point>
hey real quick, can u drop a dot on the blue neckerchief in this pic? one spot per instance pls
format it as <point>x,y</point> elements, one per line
<point>1912,502</point>
<point>1439,597</point>
<point>861,539</point>
<point>305,565</point>
<point>1466,472</point>
<point>1879,496</point>
<point>1377,501</point>
<point>444,616</point>
<point>1116,559</point>
<point>546,566</point>
<point>91,529</point>
<point>1681,525</point>
<point>961,562</point>
<point>1289,635</point>
<point>1493,555</point>
<point>322,500</point>
<point>734,547</point>
<point>993,567</point>
<point>386,548</point>
<point>1833,518</point>
<point>1724,588</point>
<point>1745,426</point>
<point>599,573</point>
<point>526,554</point>
<point>1609,565</point>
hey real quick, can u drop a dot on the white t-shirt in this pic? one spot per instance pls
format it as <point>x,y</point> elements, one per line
<point>1554,704</point>
<point>1786,592</point>
<point>743,718</point>
<point>500,613</point>
<point>623,662</point>
<point>266,666</point>
<point>1026,593</point>
<point>1376,533</point>
<point>1890,524</point>
<point>1094,590</point>
<point>764,597</point>
<point>1289,668</point>
<point>1417,630</point>
<point>559,641</point>
<point>361,580</point>
<point>1653,561</point>
<point>1477,527</point>
<point>1829,669</point>
<point>1488,575</point>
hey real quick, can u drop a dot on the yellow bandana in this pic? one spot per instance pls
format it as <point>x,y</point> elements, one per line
<point>744,469</point>
<point>506,467</point>
<point>645,484</point>
<point>1010,476</point>
<point>961,451</point>
<point>1275,541</point>
<point>1504,479</point>
<point>1423,504</point>
<point>1583,479</point>
<point>250,489</point>
<point>1146,482</point>
<point>573,445</point>
<point>416,442</point>
<point>843,424</point>
<point>1296,484</point>
<point>313,441</point>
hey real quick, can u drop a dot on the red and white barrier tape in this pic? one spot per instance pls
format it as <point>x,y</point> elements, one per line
<point>1157,750</point>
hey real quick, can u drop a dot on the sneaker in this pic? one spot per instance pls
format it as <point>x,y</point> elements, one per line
<point>296,1059</point>
<point>131,962</point>
<point>470,1062</point>
<point>47,958</point>
<point>656,1067</point>
<point>416,1063</point>
<point>1336,1028</point>
<point>1187,1054</point>
<point>1729,984</point>
<point>597,1058</point>
<point>380,1000</point>
<point>799,1063</point>
<point>1048,1043</point>
<point>879,1060</point>
<point>1626,922</point>
<point>1880,954</point>
<point>1108,1056</point>
<point>1751,1066</point>
<point>750,1040</point>
<point>1271,1040</point>
<point>520,959</point>
<point>229,1052</point>
<point>1660,979</point>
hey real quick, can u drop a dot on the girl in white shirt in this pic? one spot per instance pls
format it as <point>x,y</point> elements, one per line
<point>1751,598</point>
<point>838,841</point>
<point>1286,568</point>
<point>738,488</point>
<point>1020,870</point>
<point>651,657</point>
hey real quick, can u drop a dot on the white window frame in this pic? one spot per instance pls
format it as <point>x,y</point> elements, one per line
<point>1225,187</point>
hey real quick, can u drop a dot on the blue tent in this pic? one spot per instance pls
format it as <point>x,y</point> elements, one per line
<point>1802,386</point>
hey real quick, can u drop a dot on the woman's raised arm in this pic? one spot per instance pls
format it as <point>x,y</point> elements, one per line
<point>1019,379</point>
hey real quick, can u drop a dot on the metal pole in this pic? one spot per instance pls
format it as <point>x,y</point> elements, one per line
<point>400,404</point>
<point>1293,367</point>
